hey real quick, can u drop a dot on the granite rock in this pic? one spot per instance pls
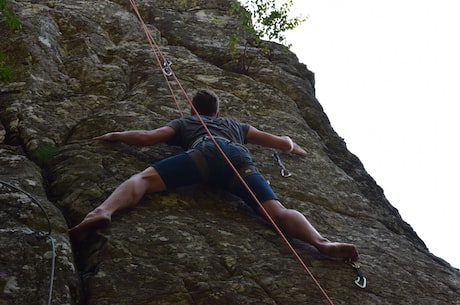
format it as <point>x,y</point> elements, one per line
<point>84,68</point>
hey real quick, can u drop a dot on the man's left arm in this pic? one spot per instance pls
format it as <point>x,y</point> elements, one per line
<point>283,143</point>
<point>140,137</point>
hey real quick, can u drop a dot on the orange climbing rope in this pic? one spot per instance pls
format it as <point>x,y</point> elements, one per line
<point>168,71</point>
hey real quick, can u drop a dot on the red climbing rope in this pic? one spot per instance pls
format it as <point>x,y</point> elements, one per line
<point>166,65</point>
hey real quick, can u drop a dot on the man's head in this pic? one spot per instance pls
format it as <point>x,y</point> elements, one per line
<point>206,102</point>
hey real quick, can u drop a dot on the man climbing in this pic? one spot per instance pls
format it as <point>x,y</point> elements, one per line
<point>202,162</point>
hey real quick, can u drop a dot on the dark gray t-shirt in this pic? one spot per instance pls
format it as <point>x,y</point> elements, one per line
<point>189,129</point>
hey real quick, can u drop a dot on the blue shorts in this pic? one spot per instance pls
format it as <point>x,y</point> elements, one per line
<point>205,164</point>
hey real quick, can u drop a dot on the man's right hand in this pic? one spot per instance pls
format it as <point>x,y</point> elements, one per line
<point>111,136</point>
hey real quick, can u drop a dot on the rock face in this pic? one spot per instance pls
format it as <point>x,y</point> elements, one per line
<point>84,68</point>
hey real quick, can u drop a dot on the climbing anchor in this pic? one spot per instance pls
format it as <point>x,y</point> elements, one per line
<point>360,280</point>
<point>284,172</point>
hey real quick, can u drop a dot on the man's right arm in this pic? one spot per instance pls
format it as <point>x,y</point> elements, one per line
<point>140,137</point>
<point>283,143</point>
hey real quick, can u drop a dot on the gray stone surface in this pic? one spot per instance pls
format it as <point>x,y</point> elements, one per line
<point>84,68</point>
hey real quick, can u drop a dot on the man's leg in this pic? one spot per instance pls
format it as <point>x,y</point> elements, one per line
<point>296,225</point>
<point>126,195</point>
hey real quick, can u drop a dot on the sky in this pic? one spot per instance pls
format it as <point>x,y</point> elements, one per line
<point>387,77</point>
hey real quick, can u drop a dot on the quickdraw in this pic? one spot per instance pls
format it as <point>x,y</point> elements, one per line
<point>360,280</point>
<point>283,170</point>
<point>166,68</point>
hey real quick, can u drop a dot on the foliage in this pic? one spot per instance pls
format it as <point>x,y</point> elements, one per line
<point>6,71</point>
<point>260,19</point>
<point>12,21</point>
<point>43,153</point>
<point>269,21</point>
<point>187,4</point>
<point>10,17</point>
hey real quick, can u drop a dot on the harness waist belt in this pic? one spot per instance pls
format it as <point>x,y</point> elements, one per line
<point>206,138</point>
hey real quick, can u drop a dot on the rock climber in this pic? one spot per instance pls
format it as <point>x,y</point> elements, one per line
<point>202,162</point>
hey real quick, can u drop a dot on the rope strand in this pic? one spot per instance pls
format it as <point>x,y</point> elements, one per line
<point>46,235</point>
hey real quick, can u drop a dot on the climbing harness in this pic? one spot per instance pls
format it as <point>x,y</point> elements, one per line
<point>41,235</point>
<point>283,170</point>
<point>360,280</point>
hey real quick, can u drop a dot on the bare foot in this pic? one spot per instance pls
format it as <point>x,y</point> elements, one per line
<point>94,220</point>
<point>340,250</point>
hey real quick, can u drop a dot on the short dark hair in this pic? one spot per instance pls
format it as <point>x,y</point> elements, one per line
<point>206,102</point>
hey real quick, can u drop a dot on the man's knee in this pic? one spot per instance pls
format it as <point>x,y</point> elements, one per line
<point>274,208</point>
<point>152,180</point>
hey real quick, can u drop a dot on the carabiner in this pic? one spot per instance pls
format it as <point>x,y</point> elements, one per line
<point>361,282</point>
<point>285,173</point>
<point>166,68</point>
